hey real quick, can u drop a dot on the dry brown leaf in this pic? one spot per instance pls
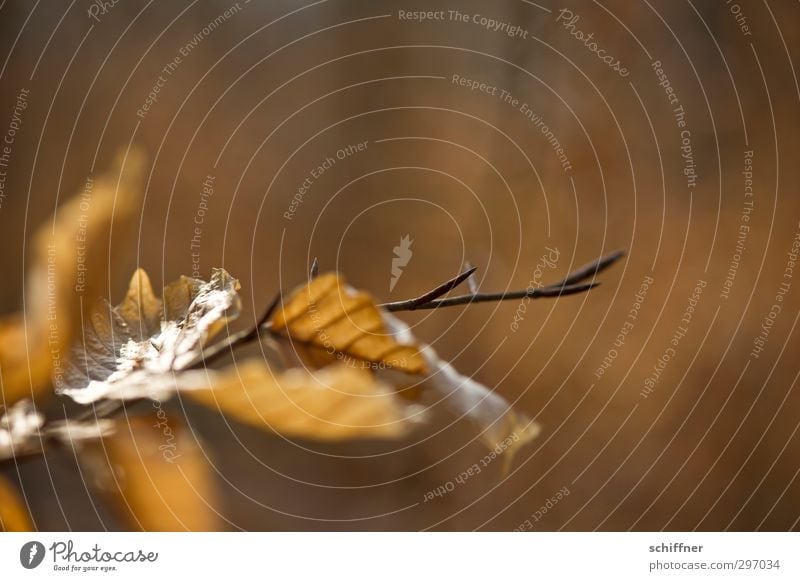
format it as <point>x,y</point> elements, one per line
<point>131,350</point>
<point>503,430</point>
<point>155,475</point>
<point>335,403</point>
<point>344,324</point>
<point>14,516</point>
<point>70,260</point>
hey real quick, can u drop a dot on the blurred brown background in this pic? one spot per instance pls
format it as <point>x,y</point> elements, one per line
<point>274,89</point>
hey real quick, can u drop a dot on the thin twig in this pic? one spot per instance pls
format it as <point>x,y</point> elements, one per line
<point>441,290</point>
<point>567,286</point>
<point>430,300</point>
<point>536,293</point>
<point>589,270</point>
<point>230,343</point>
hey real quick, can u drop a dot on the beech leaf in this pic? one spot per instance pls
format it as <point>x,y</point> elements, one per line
<point>70,258</point>
<point>14,516</point>
<point>133,349</point>
<point>156,476</point>
<point>335,403</point>
<point>345,324</point>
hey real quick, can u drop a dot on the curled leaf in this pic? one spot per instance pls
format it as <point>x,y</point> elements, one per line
<point>14,516</point>
<point>344,324</point>
<point>132,350</point>
<point>335,403</point>
<point>155,474</point>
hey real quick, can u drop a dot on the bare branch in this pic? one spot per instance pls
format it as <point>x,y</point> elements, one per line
<point>567,286</point>
<point>570,285</point>
<point>230,343</point>
<point>536,293</point>
<point>589,270</point>
<point>441,290</point>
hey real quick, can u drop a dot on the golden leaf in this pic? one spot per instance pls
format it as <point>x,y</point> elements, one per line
<point>14,516</point>
<point>155,475</point>
<point>335,403</point>
<point>345,324</point>
<point>70,260</point>
<point>24,360</point>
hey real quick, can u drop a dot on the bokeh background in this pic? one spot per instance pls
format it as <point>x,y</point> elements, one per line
<point>270,91</point>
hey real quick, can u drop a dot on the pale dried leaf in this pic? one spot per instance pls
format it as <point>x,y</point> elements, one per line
<point>343,323</point>
<point>335,403</point>
<point>19,429</point>
<point>14,516</point>
<point>133,349</point>
<point>23,430</point>
<point>502,428</point>
<point>156,476</point>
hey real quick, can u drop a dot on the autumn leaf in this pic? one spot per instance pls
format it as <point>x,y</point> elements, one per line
<point>133,349</point>
<point>23,430</point>
<point>19,429</point>
<point>502,429</point>
<point>70,260</point>
<point>335,403</point>
<point>25,360</point>
<point>155,474</point>
<point>14,516</point>
<point>343,323</point>
<point>142,347</point>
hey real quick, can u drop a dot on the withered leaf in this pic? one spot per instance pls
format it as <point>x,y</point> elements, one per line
<point>155,474</point>
<point>23,430</point>
<point>334,403</point>
<point>70,259</point>
<point>132,350</point>
<point>335,319</point>
<point>502,429</point>
<point>14,516</point>
<point>19,429</point>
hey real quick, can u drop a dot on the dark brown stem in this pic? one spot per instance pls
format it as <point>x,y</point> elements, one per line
<point>230,343</point>
<point>441,290</point>
<point>536,293</point>
<point>568,286</point>
<point>591,269</point>
<point>572,284</point>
